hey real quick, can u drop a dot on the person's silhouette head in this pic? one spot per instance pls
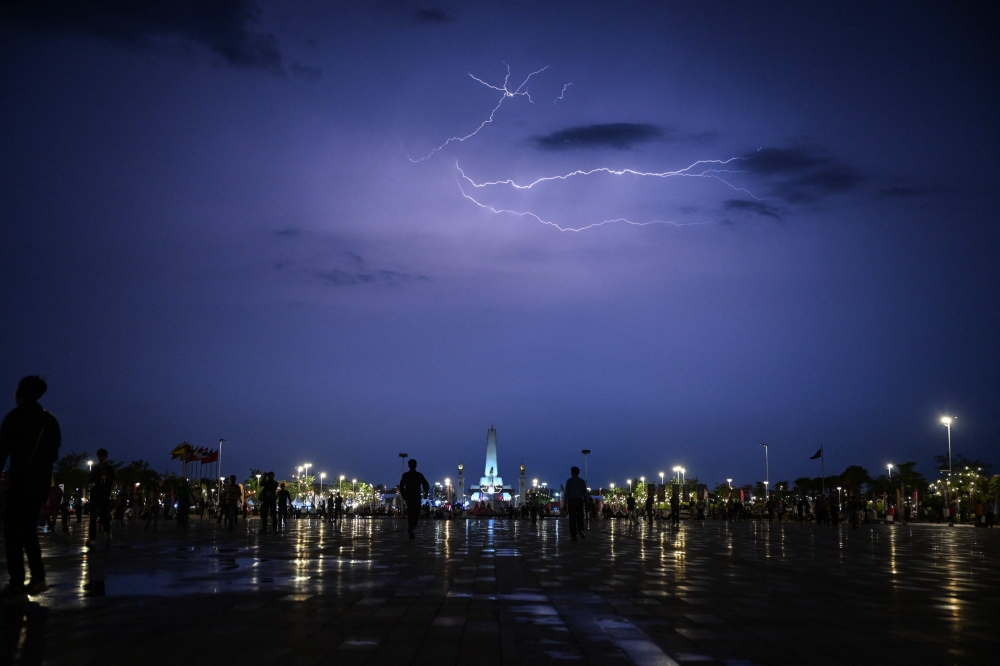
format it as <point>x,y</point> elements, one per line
<point>30,389</point>
<point>575,471</point>
<point>102,454</point>
<point>412,464</point>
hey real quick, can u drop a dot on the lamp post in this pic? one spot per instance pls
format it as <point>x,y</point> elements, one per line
<point>354,491</point>
<point>767,472</point>
<point>838,499</point>
<point>322,475</point>
<point>629,482</point>
<point>402,460</point>
<point>586,473</point>
<point>661,483</point>
<point>730,482</point>
<point>889,467</point>
<point>219,467</point>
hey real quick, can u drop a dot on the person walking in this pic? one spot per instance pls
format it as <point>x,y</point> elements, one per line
<point>413,487</point>
<point>675,506</point>
<point>576,495</point>
<point>630,508</point>
<point>533,506</point>
<point>650,497</point>
<point>152,506</point>
<point>30,437</point>
<point>102,480</point>
<point>183,505</point>
<point>284,499</point>
<point>338,509</point>
<point>268,498</point>
<point>231,499</point>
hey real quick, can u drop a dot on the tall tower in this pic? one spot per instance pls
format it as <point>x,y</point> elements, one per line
<point>522,490</point>
<point>491,483</point>
<point>460,485</point>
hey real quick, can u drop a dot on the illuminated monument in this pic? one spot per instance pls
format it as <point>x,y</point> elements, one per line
<point>491,484</point>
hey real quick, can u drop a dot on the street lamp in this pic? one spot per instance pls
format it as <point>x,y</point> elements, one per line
<point>661,478</point>
<point>586,473</point>
<point>889,467</point>
<point>629,482</point>
<point>90,465</point>
<point>322,475</point>
<point>354,491</point>
<point>838,498</point>
<point>730,482</point>
<point>534,483</point>
<point>402,459</point>
<point>767,471</point>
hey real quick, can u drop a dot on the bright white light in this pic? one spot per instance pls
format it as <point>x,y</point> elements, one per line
<point>947,420</point>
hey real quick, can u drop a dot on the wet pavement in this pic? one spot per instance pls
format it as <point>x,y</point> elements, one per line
<point>483,592</point>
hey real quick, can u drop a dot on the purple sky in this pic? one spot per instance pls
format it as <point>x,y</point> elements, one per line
<point>210,227</point>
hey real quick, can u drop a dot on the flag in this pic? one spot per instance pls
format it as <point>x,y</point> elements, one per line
<point>181,450</point>
<point>210,457</point>
<point>819,454</point>
<point>195,454</point>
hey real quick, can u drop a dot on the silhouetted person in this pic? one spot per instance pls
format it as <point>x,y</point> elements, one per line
<point>675,506</point>
<point>650,496</point>
<point>533,506</point>
<point>630,508</point>
<point>338,508</point>
<point>413,487</point>
<point>102,480</point>
<point>268,502</point>
<point>183,505</point>
<point>284,499</point>
<point>576,495</point>
<point>30,436</point>
<point>232,495</point>
<point>153,506</point>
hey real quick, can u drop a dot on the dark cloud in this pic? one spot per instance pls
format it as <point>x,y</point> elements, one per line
<point>903,191</point>
<point>305,72</point>
<point>753,207</point>
<point>386,278</point>
<point>802,174</point>
<point>225,27</point>
<point>432,16</point>
<point>621,136</point>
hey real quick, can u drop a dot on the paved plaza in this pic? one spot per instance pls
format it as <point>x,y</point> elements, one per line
<point>480,592</point>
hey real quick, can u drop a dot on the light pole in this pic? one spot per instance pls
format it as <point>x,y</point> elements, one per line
<point>661,483</point>
<point>889,467</point>
<point>629,482</point>
<point>402,460</point>
<point>90,465</point>
<point>730,482</point>
<point>322,475</point>
<point>219,469</point>
<point>767,472</point>
<point>586,473</point>
<point>838,499</point>
<point>354,492</point>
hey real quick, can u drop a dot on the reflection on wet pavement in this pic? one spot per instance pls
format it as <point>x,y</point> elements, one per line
<point>495,591</point>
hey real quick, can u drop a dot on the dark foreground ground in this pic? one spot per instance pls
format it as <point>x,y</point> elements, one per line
<point>483,592</point>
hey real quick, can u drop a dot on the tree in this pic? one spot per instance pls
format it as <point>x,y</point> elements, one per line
<point>854,479</point>
<point>69,470</point>
<point>137,474</point>
<point>960,462</point>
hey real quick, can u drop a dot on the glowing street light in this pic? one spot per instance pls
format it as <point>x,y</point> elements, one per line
<point>730,482</point>
<point>629,482</point>
<point>889,467</point>
<point>90,464</point>
<point>322,475</point>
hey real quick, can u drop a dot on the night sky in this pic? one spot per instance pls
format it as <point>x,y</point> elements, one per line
<point>214,222</point>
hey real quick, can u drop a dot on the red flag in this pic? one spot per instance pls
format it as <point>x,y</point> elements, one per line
<point>210,457</point>
<point>819,454</point>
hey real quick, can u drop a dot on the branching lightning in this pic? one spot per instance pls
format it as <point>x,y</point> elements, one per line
<point>562,94</point>
<point>520,91</point>
<point>715,169</point>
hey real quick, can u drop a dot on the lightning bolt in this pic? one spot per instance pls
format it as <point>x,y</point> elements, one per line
<point>687,172</point>
<point>520,91</point>
<point>562,94</point>
<point>690,171</point>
